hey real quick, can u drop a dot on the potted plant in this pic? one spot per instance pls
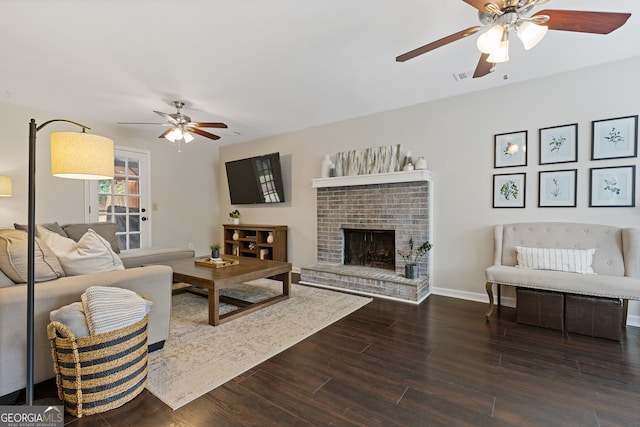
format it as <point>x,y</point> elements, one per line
<point>215,250</point>
<point>235,216</point>
<point>411,258</point>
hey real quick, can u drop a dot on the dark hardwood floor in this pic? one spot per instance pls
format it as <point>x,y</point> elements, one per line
<point>437,364</point>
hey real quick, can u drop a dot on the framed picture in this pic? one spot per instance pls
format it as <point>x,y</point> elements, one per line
<point>613,187</point>
<point>510,149</point>
<point>614,138</point>
<point>509,190</point>
<point>557,188</point>
<point>559,144</point>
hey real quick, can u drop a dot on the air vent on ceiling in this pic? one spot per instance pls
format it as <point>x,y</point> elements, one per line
<point>463,75</point>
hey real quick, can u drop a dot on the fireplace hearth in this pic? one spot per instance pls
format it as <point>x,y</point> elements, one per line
<point>361,227</point>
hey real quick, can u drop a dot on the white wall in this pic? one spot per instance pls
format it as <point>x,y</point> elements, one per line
<point>183,185</point>
<point>456,136</point>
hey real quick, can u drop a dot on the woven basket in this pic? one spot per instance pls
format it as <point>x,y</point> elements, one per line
<point>99,372</point>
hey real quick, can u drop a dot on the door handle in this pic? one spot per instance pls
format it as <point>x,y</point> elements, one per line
<point>144,218</point>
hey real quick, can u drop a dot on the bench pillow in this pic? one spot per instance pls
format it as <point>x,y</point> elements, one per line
<point>569,260</point>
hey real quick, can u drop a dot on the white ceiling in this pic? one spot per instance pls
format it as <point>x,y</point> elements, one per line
<point>264,67</point>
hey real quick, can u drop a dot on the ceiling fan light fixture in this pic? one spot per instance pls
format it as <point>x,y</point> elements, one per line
<point>174,135</point>
<point>187,137</point>
<point>490,41</point>
<point>501,54</point>
<point>530,34</point>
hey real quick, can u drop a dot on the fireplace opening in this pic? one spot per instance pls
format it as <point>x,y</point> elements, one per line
<point>370,248</point>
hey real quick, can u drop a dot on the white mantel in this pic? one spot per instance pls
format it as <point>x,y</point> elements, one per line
<point>376,178</point>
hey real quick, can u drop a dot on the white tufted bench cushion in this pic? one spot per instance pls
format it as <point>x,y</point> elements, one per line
<point>616,260</point>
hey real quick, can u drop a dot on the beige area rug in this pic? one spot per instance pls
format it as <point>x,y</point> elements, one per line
<point>198,357</point>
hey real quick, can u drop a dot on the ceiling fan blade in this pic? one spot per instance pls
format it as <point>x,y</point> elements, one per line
<point>480,4</point>
<point>584,22</point>
<point>203,133</point>
<point>438,43</point>
<point>169,117</point>
<point>165,133</point>
<point>483,68</point>
<point>140,123</point>
<point>208,125</point>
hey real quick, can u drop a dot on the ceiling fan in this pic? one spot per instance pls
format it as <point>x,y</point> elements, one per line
<point>500,16</point>
<point>181,126</point>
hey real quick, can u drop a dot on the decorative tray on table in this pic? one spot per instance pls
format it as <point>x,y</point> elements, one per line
<point>217,262</point>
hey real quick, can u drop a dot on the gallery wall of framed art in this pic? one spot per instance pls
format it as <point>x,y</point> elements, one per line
<point>612,185</point>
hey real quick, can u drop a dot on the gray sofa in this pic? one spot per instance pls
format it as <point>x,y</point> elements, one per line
<point>616,259</point>
<point>154,282</point>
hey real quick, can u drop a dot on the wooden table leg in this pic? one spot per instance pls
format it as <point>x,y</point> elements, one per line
<point>214,307</point>
<point>489,286</point>
<point>286,283</point>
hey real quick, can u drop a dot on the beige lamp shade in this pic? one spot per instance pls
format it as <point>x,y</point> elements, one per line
<point>6,189</point>
<point>81,156</point>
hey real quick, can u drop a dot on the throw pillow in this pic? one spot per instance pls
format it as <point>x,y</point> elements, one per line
<point>13,258</point>
<point>72,316</point>
<point>105,229</point>
<point>52,226</point>
<point>5,281</point>
<point>569,260</point>
<point>91,254</point>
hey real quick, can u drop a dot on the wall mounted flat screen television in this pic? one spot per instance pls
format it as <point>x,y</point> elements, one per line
<point>255,180</point>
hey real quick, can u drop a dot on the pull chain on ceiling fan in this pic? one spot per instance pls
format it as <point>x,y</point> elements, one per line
<point>181,126</point>
<point>502,16</point>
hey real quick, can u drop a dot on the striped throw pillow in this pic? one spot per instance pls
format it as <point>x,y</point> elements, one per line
<point>570,260</point>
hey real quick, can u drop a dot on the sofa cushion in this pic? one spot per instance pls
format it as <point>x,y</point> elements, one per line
<point>51,226</point>
<point>105,229</point>
<point>91,254</point>
<point>13,258</point>
<point>599,285</point>
<point>569,260</point>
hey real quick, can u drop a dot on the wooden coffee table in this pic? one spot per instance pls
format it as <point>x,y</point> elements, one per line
<point>214,279</point>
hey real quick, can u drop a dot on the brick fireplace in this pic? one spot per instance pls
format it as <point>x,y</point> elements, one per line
<point>398,203</point>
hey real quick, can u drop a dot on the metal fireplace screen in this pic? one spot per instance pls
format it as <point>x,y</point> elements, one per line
<point>370,248</point>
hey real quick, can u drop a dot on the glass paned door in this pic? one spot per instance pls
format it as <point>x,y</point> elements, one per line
<point>123,199</point>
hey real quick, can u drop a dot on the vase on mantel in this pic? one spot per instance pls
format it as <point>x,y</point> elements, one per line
<point>408,162</point>
<point>326,166</point>
<point>421,163</point>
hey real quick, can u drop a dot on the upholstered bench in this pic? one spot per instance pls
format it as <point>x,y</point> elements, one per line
<point>609,258</point>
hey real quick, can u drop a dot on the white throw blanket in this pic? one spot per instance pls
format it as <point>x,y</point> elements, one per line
<point>109,308</point>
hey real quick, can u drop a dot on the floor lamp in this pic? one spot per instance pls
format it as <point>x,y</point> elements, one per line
<point>76,155</point>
